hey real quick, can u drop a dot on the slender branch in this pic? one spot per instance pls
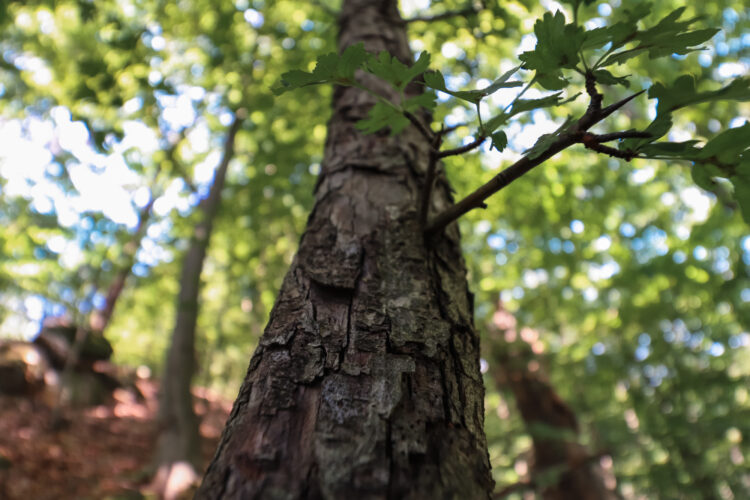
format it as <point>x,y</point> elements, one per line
<point>626,155</point>
<point>463,149</point>
<point>593,142</point>
<point>426,133</point>
<point>594,114</point>
<point>476,199</point>
<point>617,105</point>
<point>447,130</point>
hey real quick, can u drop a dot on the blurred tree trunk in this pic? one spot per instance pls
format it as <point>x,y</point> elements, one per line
<point>178,447</point>
<point>562,468</point>
<point>366,382</point>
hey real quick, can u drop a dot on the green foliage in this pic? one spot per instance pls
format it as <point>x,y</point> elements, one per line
<point>557,47</point>
<point>435,80</point>
<point>560,47</point>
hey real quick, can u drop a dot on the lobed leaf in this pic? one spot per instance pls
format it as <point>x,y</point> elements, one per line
<point>683,92</point>
<point>435,80</point>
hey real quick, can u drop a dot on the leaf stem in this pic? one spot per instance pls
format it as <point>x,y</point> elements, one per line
<point>518,96</point>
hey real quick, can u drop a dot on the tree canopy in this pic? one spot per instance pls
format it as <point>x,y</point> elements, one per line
<point>624,257</point>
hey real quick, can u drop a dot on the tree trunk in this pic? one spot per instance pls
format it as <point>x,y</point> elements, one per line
<point>366,382</point>
<point>178,448</point>
<point>562,468</point>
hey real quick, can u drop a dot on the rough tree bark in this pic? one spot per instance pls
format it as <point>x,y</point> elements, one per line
<point>562,468</point>
<point>178,447</point>
<point>366,382</point>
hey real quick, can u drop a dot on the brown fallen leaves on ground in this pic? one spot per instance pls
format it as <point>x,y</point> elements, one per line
<point>104,452</point>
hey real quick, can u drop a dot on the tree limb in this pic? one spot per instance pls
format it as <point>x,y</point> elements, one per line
<point>426,132</point>
<point>476,199</point>
<point>594,114</point>
<point>463,149</point>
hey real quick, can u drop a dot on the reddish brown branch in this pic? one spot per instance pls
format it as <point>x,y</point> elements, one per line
<point>463,149</point>
<point>594,114</point>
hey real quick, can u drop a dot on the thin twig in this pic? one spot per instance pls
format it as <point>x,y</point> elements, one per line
<point>463,149</point>
<point>447,130</point>
<point>426,133</point>
<point>476,199</point>
<point>626,155</point>
<point>617,105</point>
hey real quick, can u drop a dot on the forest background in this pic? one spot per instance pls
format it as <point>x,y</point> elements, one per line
<point>629,283</point>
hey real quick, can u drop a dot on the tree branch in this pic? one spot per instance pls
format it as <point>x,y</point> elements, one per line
<point>463,149</point>
<point>426,132</point>
<point>594,114</point>
<point>476,199</point>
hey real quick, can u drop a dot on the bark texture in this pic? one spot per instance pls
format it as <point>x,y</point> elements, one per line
<point>562,468</point>
<point>178,441</point>
<point>366,382</point>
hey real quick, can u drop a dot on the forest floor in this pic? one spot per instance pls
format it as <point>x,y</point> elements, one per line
<point>104,452</point>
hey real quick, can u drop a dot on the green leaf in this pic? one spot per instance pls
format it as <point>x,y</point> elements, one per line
<point>419,67</point>
<point>683,92</point>
<point>742,194</point>
<point>658,128</point>
<point>605,77</point>
<point>495,122</point>
<point>728,146</point>
<point>552,81</point>
<point>522,105</point>
<point>435,80</point>
<point>330,68</point>
<point>395,72</point>
<point>425,100</point>
<point>503,82</point>
<point>383,115</point>
<point>351,60</point>
<point>621,32</point>
<point>557,45</point>
<point>703,175</point>
<point>499,141</point>
<point>668,36</point>
<point>546,140</point>
<point>677,149</point>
